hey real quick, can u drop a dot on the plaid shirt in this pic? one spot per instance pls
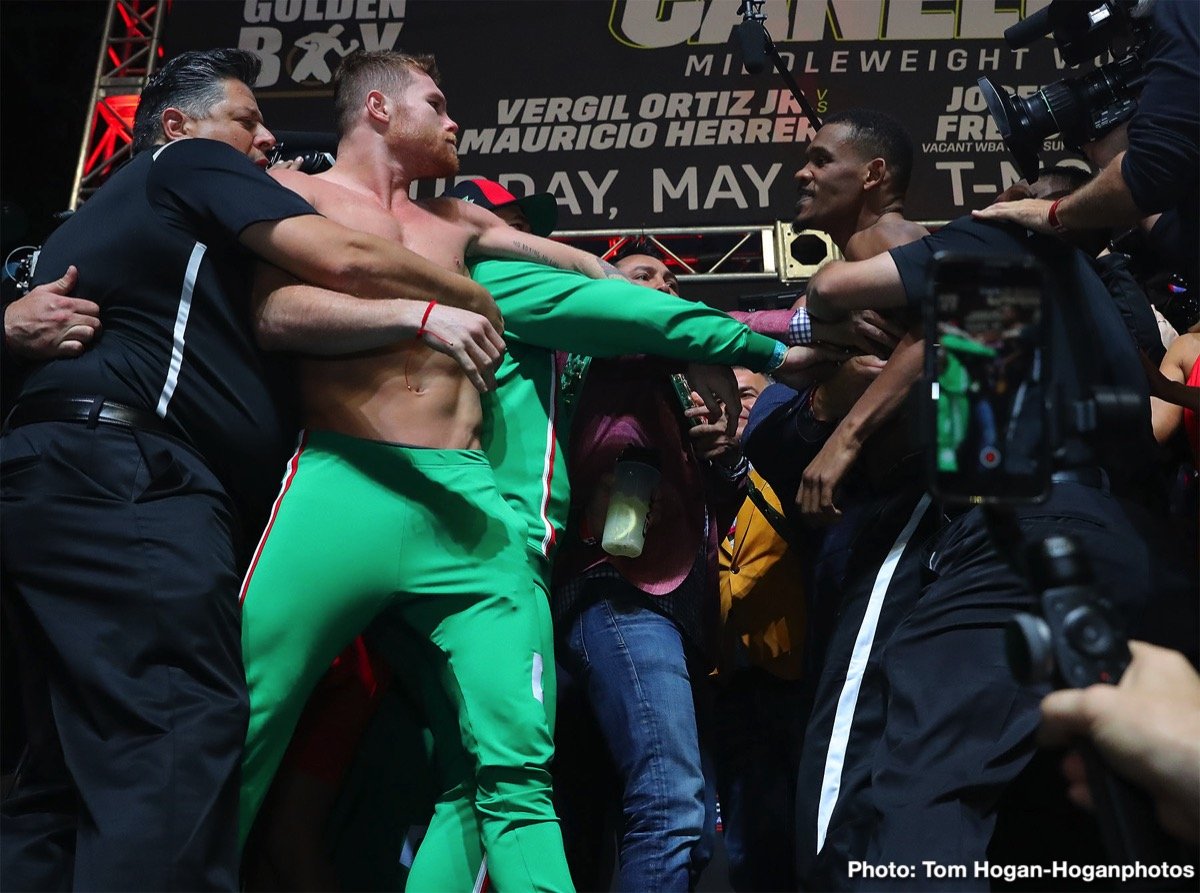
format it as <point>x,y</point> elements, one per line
<point>799,328</point>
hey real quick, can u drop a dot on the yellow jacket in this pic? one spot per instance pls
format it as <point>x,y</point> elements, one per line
<point>762,596</point>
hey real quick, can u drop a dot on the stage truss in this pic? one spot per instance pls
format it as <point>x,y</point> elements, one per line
<point>127,58</point>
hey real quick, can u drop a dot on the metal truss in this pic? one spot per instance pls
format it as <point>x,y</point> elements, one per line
<point>127,59</point>
<point>769,252</point>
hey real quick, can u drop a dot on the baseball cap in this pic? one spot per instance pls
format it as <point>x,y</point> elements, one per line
<point>540,209</point>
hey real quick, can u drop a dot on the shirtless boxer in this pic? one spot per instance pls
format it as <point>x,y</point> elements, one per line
<point>388,505</point>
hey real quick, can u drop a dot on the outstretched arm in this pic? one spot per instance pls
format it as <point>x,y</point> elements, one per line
<point>840,287</point>
<point>555,310</point>
<point>500,240</point>
<point>1105,201</point>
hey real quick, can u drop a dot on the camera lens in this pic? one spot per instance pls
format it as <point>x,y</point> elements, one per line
<point>1089,631</point>
<point>1079,109</point>
<point>1030,648</point>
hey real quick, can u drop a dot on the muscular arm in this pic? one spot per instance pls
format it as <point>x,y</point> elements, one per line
<point>335,257</point>
<point>502,241</point>
<point>882,398</point>
<point>843,286</point>
<point>886,394</point>
<point>292,316</point>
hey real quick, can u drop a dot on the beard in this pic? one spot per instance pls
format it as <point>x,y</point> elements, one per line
<point>439,158</point>
<point>452,163</point>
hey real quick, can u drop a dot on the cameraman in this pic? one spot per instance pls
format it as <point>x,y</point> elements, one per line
<point>1158,170</point>
<point>956,729</point>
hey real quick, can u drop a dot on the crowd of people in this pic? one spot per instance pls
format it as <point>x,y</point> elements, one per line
<point>418,662</point>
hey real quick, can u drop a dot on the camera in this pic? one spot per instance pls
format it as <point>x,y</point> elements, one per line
<point>1078,639</point>
<point>987,416</point>
<point>316,150</point>
<point>312,162</point>
<point>1079,109</point>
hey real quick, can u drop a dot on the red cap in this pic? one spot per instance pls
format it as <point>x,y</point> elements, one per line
<point>540,209</point>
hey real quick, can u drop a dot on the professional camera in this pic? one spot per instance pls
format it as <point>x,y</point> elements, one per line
<point>1082,108</point>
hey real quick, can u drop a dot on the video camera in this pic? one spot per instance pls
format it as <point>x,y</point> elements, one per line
<point>1081,108</point>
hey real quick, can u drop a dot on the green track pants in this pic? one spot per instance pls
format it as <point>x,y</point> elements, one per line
<point>421,539</point>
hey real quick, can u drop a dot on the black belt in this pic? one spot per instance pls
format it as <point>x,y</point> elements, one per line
<point>92,411</point>
<point>1088,477</point>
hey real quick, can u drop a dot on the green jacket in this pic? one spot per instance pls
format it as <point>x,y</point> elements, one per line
<point>546,309</point>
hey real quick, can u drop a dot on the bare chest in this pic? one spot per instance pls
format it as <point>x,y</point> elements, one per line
<point>409,224</point>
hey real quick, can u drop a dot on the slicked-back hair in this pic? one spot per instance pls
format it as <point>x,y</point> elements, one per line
<point>192,82</point>
<point>361,72</point>
<point>1068,176</point>
<point>879,135</point>
<point>637,245</point>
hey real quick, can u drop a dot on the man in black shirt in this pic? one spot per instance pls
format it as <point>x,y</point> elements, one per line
<point>937,727</point>
<point>1160,170</point>
<point>135,475</point>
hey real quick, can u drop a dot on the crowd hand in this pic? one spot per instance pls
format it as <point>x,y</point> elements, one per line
<point>803,365</point>
<point>718,389</point>
<point>1147,729</point>
<point>865,330</point>
<point>711,437</point>
<point>48,323</point>
<point>470,339</point>
<point>1031,213</point>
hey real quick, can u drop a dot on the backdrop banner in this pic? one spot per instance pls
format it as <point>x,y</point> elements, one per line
<point>637,113</point>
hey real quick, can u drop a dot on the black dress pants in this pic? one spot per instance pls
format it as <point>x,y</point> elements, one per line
<point>120,582</point>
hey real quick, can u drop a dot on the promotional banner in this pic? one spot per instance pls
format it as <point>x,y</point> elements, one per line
<point>638,113</point>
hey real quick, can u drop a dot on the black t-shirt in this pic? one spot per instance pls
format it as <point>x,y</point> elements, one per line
<point>157,249</point>
<point>1090,345</point>
<point>1162,164</point>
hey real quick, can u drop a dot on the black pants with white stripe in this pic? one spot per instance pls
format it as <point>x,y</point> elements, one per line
<point>918,724</point>
<point>121,587</point>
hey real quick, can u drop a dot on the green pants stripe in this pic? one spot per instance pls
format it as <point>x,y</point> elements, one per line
<point>421,540</point>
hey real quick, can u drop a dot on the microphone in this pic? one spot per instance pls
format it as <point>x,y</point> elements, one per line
<point>752,39</point>
<point>1029,29</point>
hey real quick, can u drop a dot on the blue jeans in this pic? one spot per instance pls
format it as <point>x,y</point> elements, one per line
<point>633,669</point>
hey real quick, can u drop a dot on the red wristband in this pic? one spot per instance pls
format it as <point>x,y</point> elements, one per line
<point>1052,215</point>
<point>425,319</point>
